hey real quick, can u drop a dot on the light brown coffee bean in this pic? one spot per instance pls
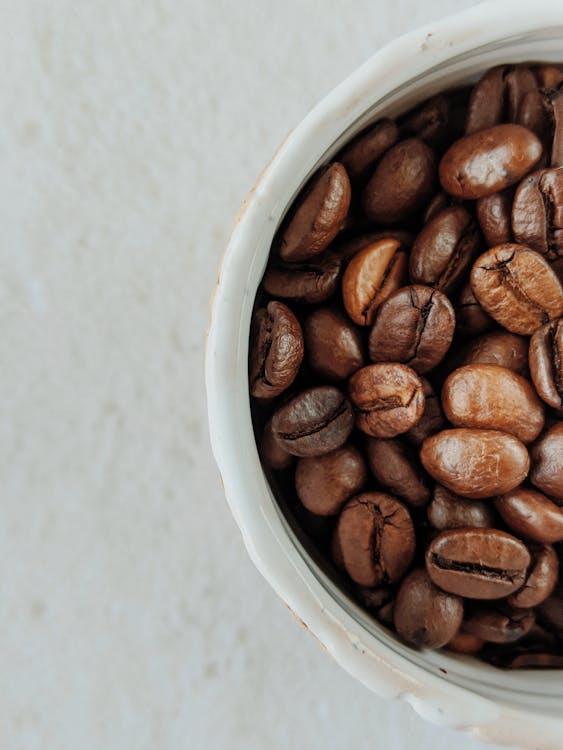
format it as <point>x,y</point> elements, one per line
<point>547,462</point>
<point>531,515</point>
<point>362,153</point>
<point>497,348</point>
<point>450,511</point>
<point>324,483</point>
<point>541,579</point>
<point>546,362</point>
<point>395,466</point>
<point>333,344</point>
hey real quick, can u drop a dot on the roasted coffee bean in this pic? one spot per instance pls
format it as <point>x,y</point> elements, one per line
<point>430,121</point>
<point>271,451</point>
<point>346,249</point>
<point>320,215</point>
<point>541,579</point>
<point>517,288</point>
<point>373,598</point>
<point>465,643</point>
<point>471,319</point>
<point>494,217</point>
<point>475,463</point>
<point>376,537</point>
<point>315,422</point>
<point>531,515</point>
<point>395,466</point>
<point>432,419</point>
<point>527,659</point>
<point>445,249</point>
<point>546,362</point>
<point>497,348</point>
<point>310,282</point>
<point>557,267</point>
<point>385,614</point>
<point>498,96</point>
<point>371,277</point>
<point>324,483</point>
<point>336,551</point>
<point>333,344</point>
<point>550,612</point>
<point>362,153</point>
<point>276,351</point>
<point>490,397</point>
<point>542,112</point>
<point>424,615</point>
<point>547,462</point>
<point>489,161</point>
<point>450,511</point>
<point>402,183</point>
<point>537,212</point>
<point>438,203</point>
<point>414,326</point>
<point>388,399</point>
<point>549,76</point>
<point>477,563</point>
<point>499,624</point>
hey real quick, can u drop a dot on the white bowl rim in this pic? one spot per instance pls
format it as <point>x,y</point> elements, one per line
<point>373,662</point>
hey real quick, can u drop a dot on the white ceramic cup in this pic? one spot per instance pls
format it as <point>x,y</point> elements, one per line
<point>522,708</point>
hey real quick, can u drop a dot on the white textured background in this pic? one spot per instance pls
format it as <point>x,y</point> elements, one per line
<point>130,615</point>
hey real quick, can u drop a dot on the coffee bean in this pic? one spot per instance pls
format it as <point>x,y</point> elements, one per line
<point>475,463</point>
<point>541,579</point>
<point>376,537</point>
<point>499,624</point>
<point>424,615</point>
<point>402,182</point>
<point>450,511</point>
<point>547,462</point>
<point>489,161</point>
<point>549,76</point>
<point>414,326</point>
<point>430,121</point>
<point>437,204</point>
<point>388,399</point>
<point>498,95</point>
<point>497,348</point>
<point>471,319</point>
<point>542,112</point>
<point>320,215</point>
<point>271,451</point>
<point>324,483</point>
<point>477,563</point>
<point>537,212</point>
<point>445,249</point>
<point>397,468</point>
<point>336,552</point>
<point>546,362</point>
<point>362,153</point>
<point>517,288</point>
<point>346,249</point>
<point>432,419</point>
<point>531,515</point>
<point>550,612</point>
<point>465,643</point>
<point>310,282</point>
<point>490,397</point>
<point>315,422</point>
<point>276,351</point>
<point>532,660</point>
<point>494,217</point>
<point>333,344</point>
<point>557,267</point>
<point>371,277</point>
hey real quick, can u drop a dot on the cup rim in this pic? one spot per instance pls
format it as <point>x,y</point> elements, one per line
<point>371,660</point>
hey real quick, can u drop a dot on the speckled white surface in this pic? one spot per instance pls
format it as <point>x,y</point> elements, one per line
<point>130,615</point>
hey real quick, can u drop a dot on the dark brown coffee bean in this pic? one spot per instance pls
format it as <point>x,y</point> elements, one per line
<point>402,183</point>
<point>450,511</point>
<point>531,515</point>
<point>310,282</point>
<point>333,344</point>
<point>477,563</point>
<point>414,326</point>
<point>465,643</point>
<point>499,624</point>
<point>276,350</point>
<point>373,598</point>
<point>438,203</point>
<point>494,215</point>
<point>398,469</point>
<point>362,153</point>
<point>542,112</point>
<point>315,422</point>
<point>541,579</point>
<point>423,615</point>
<point>547,462</point>
<point>489,161</point>
<point>336,551</point>
<point>347,248</point>
<point>517,287</point>
<point>432,419</point>
<point>324,483</point>
<point>475,463</point>
<point>550,612</point>
<point>546,362</point>
<point>371,277</point>
<point>271,451</point>
<point>430,121</point>
<point>537,212</point>
<point>490,397</point>
<point>444,249</point>
<point>320,215</point>
<point>471,319</point>
<point>533,660</point>
<point>376,538</point>
<point>497,96</point>
<point>388,399</point>
<point>385,614</point>
<point>497,348</point>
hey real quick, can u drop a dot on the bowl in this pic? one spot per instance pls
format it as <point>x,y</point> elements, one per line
<point>518,708</point>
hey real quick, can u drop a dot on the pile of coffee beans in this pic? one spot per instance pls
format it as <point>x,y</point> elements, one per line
<point>406,368</point>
